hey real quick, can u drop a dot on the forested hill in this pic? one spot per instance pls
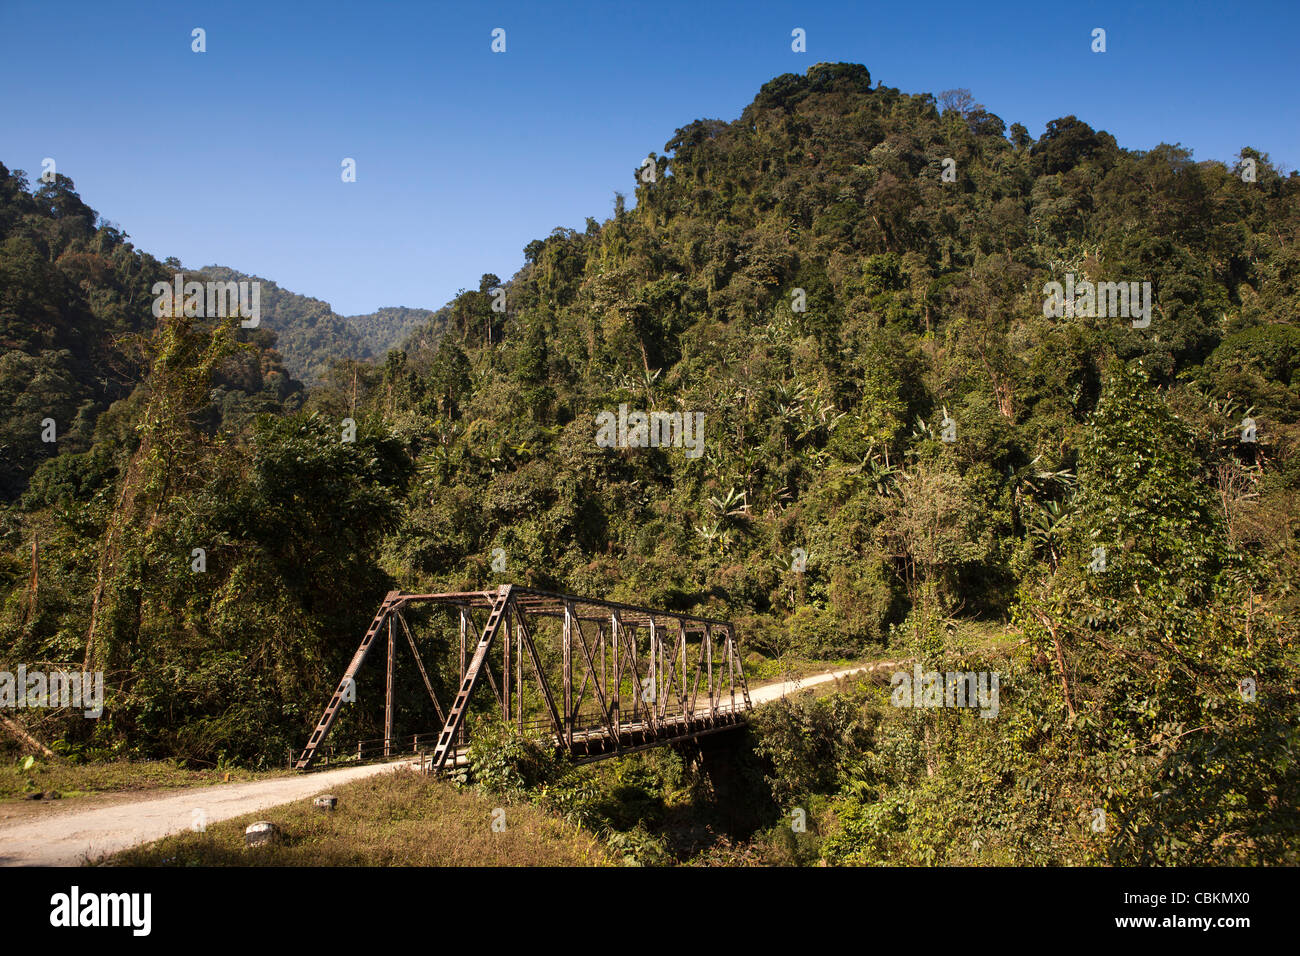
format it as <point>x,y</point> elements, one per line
<point>76,317</point>
<point>391,327</point>
<point>75,296</point>
<point>900,444</point>
<point>312,336</point>
<point>308,333</point>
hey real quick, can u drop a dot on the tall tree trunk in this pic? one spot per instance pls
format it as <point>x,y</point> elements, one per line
<point>33,586</point>
<point>1060,659</point>
<point>108,555</point>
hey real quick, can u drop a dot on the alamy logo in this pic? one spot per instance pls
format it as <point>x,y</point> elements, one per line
<point>953,689</point>
<point>103,909</point>
<point>59,689</point>
<point>1101,300</point>
<point>655,429</point>
<point>212,300</point>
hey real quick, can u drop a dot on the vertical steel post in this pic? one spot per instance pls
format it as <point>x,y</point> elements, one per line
<point>708,651</point>
<point>681,630</point>
<point>464,623</point>
<point>654,671</point>
<point>627,635</point>
<point>464,626</point>
<point>505,670</point>
<point>567,651</point>
<point>617,674</point>
<point>388,695</point>
<point>519,673</point>
<point>731,668</point>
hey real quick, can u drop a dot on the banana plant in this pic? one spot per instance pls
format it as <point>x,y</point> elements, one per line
<point>871,467</point>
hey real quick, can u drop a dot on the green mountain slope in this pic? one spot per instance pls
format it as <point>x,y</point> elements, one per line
<point>899,444</point>
<point>390,327</point>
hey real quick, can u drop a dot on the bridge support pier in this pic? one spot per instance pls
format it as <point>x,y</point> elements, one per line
<point>721,759</point>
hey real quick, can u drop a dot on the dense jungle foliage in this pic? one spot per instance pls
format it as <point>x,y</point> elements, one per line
<point>805,277</point>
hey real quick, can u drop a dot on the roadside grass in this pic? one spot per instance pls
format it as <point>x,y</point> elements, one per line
<point>76,780</point>
<point>397,819</point>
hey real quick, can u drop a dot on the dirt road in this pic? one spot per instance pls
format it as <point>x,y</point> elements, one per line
<point>68,835</point>
<point>71,837</point>
<point>771,692</point>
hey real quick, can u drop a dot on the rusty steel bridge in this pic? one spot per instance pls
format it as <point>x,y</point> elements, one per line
<point>608,678</point>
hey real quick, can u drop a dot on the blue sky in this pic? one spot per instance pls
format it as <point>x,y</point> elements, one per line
<point>463,156</point>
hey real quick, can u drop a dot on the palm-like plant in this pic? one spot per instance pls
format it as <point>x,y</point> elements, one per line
<point>709,532</point>
<point>734,504</point>
<point>1043,525</point>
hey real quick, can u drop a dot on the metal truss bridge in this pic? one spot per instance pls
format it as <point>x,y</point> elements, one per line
<point>607,678</point>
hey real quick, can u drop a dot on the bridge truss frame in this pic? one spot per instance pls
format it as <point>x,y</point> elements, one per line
<point>633,659</point>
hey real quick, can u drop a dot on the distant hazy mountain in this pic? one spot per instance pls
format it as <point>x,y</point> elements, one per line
<point>310,335</point>
<point>389,327</point>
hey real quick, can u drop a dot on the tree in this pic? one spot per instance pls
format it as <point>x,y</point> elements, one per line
<point>1150,640</point>
<point>449,378</point>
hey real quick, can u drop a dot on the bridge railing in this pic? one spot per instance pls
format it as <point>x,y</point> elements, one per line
<point>585,722</point>
<point>589,721</point>
<point>377,748</point>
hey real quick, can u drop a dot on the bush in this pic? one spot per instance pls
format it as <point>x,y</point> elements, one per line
<point>503,761</point>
